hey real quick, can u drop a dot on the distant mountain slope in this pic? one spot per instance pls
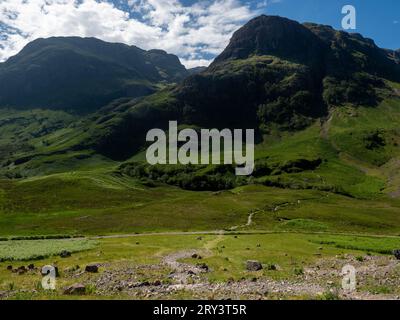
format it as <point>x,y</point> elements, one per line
<point>326,116</point>
<point>83,74</point>
<point>275,72</point>
<point>196,70</point>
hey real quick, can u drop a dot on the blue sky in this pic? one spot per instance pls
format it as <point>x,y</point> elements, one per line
<point>196,31</point>
<point>376,19</point>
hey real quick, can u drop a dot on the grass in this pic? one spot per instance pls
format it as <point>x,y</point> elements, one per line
<point>366,244</point>
<point>26,250</point>
<point>98,202</point>
<point>226,255</point>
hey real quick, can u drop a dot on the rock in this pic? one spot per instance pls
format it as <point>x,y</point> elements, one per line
<point>396,253</point>
<point>202,266</point>
<point>144,284</point>
<point>31,266</point>
<point>75,289</point>
<point>92,268</point>
<point>22,270</point>
<point>157,283</point>
<point>272,267</point>
<point>253,265</point>
<point>65,254</point>
<point>199,238</point>
<point>9,268</point>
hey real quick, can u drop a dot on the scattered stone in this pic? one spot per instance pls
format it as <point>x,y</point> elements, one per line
<point>157,283</point>
<point>396,253</point>
<point>22,270</point>
<point>202,266</point>
<point>272,267</point>
<point>9,268</point>
<point>258,245</point>
<point>253,265</point>
<point>92,268</point>
<point>144,284</point>
<point>199,238</point>
<point>75,289</point>
<point>31,266</point>
<point>65,254</point>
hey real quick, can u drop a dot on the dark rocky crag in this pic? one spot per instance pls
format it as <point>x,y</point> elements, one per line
<point>274,71</point>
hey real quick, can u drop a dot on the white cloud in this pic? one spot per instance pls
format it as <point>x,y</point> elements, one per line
<point>196,33</point>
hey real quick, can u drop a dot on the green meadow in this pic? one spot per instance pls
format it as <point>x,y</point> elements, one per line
<point>328,191</point>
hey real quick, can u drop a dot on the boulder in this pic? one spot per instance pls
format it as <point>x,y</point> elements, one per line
<point>92,268</point>
<point>75,289</point>
<point>253,265</point>
<point>9,268</point>
<point>31,266</point>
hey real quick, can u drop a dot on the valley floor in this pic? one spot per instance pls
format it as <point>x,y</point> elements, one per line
<point>213,266</point>
<point>167,243</point>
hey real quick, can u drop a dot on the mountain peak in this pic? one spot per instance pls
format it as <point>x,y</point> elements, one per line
<point>91,73</point>
<point>273,35</point>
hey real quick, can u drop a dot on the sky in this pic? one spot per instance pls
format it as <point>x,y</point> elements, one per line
<point>196,31</point>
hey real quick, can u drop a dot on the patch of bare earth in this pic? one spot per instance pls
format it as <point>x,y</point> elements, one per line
<point>378,278</point>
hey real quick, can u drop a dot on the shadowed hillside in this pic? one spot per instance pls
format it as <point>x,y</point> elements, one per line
<point>83,74</point>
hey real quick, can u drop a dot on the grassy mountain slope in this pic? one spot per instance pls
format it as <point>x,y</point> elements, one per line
<point>327,153</point>
<point>83,74</point>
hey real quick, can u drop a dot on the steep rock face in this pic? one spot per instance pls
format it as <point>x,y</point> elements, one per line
<point>275,73</point>
<point>82,74</point>
<point>272,35</point>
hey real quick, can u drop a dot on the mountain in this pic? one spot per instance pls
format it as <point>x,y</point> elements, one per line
<point>83,74</point>
<point>274,72</point>
<point>325,105</point>
<point>196,70</point>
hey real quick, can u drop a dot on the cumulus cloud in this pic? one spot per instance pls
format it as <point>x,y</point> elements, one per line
<point>196,33</point>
